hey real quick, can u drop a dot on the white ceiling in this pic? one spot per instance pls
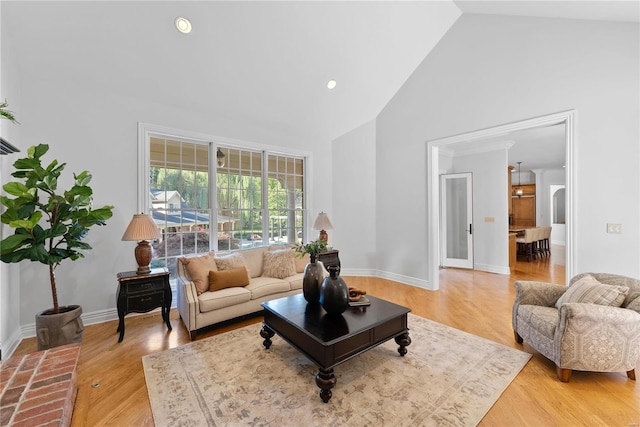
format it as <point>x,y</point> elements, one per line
<point>627,10</point>
<point>265,63</point>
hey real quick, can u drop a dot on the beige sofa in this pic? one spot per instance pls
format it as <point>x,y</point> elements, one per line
<point>200,305</point>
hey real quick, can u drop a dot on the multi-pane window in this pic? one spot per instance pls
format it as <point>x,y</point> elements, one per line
<point>179,198</point>
<point>255,211</point>
<point>258,198</point>
<point>285,198</point>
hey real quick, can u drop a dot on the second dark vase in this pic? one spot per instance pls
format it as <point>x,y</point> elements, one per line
<point>334,292</point>
<point>312,280</point>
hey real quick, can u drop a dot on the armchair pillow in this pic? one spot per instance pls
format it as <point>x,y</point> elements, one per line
<point>197,269</point>
<point>588,290</point>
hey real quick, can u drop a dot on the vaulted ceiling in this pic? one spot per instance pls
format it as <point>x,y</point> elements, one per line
<point>265,62</point>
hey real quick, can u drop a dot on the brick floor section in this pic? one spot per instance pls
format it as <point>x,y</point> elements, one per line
<point>39,389</point>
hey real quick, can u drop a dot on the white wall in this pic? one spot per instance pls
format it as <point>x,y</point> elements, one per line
<point>9,273</point>
<point>490,239</point>
<point>354,200</point>
<point>96,130</point>
<point>101,136</point>
<point>545,178</point>
<point>492,70</point>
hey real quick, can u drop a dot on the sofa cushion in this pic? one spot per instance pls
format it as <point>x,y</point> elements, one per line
<point>253,259</point>
<point>197,270</point>
<point>588,290</point>
<point>228,279</point>
<point>230,261</point>
<point>223,298</point>
<point>301,262</point>
<point>263,286</point>
<point>295,281</point>
<point>279,264</point>
<point>542,319</point>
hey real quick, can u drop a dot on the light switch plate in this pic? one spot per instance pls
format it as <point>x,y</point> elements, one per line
<point>614,228</point>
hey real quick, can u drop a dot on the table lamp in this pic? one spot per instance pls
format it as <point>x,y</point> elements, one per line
<point>142,229</point>
<point>323,223</point>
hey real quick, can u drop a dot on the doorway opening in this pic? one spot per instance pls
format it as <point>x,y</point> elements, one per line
<point>566,118</point>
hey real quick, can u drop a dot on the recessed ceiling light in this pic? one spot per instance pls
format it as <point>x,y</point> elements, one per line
<point>331,84</point>
<point>183,25</point>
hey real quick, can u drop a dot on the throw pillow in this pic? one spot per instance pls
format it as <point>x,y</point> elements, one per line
<point>279,264</point>
<point>228,279</point>
<point>230,262</point>
<point>589,291</point>
<point>197,269</point>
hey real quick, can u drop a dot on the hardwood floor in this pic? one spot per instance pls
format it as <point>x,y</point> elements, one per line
<point>112,389</point>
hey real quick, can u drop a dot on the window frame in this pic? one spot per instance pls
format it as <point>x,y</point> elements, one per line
<point>147,131</point>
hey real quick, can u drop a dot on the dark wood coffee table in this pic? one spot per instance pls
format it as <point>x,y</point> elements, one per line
<point>330,340</point>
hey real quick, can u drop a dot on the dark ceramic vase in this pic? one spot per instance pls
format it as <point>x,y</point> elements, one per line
<point>334,292</point>
<point>311,281</point>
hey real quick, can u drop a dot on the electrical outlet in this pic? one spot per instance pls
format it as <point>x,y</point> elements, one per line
<point>614,228</point>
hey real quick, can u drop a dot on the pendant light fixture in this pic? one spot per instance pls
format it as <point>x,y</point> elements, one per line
<point>519,191</point>
<point>220,158</point>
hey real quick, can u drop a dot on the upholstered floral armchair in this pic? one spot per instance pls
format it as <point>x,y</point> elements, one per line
<point>593,324</point>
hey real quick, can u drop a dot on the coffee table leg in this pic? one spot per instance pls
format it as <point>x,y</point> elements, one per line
<point>403,341</point>
<point>266,333</point>
<point>325,380</point>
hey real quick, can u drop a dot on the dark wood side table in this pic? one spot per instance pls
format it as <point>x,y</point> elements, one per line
<point>329,257</point>
<point>141,293</point>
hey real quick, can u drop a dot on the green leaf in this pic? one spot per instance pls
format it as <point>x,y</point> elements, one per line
<point>55,231</point>
<point>103,213</point>
<point>79,245</point>
<point>83,178</point>
<point>51,182</point>
<point>25,164</point>
<point>15,256</point>
<point>52,166</point>
<point>16,189</point>
<point>39,253</point>
<point>9,215</point>
<point>78,190</point>
<point>13,242</point>
<point>38,151</point>
<point>21,223</point>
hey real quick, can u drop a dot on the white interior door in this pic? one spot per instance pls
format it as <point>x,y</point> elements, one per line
<point>456,193</point>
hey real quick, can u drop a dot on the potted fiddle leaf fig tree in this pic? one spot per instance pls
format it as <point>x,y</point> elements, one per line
<point>50,226</point>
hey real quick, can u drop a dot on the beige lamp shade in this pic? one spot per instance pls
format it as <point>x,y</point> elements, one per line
<point>142,229</point>
<point>323,223</point>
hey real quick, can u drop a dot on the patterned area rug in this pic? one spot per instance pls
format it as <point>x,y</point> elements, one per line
<point>447,378</point>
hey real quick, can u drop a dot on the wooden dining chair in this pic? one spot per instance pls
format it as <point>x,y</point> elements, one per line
<point>525,243</point>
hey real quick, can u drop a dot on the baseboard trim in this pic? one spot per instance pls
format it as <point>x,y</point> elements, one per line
<point>492,269</point>
<point>11,344</point>
<point>92,318</point>
<point>405,280</point>
<point>359,272</point>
